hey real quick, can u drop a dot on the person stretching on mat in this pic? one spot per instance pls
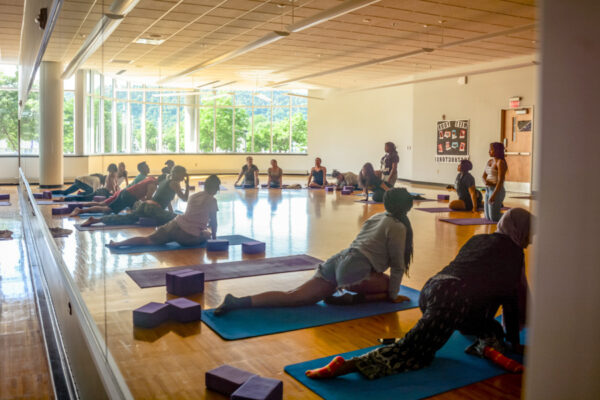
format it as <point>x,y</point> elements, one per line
<point>250,173</point>
<point>469,198</point>
<point>122,175</point>
<point>318,175</point>
<point>159,208</point>
<point>88,184</point>
<point>108,188</point>
<point>275,175</point>
<point>370,181</point>
<point>493,176</point>
<point>385,241</point>
<point>345,179</point>
<point>487,273</point>
<point>122,199</point>
<point>143,170</point>
<point>190,228</point>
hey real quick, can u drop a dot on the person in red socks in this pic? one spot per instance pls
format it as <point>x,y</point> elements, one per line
<point>464,296</point>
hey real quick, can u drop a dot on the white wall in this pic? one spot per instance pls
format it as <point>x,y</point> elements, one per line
<point>480,101</point>
<point>348,129</point>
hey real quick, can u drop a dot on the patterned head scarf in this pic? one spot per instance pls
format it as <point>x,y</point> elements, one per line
<point>398,202</point>
<point>516,224</point>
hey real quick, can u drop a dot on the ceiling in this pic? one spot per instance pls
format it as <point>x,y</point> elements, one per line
<point>195,31</point>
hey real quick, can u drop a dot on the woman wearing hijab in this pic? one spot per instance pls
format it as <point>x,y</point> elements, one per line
<point>469,198</point>
<point>493,176</point>
<point>464,296</point>
<point>384,242</point>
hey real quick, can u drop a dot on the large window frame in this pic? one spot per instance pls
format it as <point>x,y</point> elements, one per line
<point>236,103</point>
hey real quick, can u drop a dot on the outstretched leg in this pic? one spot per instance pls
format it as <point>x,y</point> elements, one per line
<point>134,241</point>
<point>336,367</point>
<point>308,293</point>
<point>95,209</point>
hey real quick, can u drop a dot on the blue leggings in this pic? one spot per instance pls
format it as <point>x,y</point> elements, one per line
<point>77,185</point>
<point>492,210</point>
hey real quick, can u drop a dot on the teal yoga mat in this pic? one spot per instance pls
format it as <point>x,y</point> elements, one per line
<point>240,324</point>
<point>451,369</point>
<point>233,240</point>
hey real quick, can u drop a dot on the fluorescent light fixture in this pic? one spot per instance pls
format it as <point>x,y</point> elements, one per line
<point>153,42</point>
<point>121,72</point>
<point>334,12</point>
<point>207,83</point>
<point>102,31</point>
<point>408,54</point>
<point>304,96</point>
<point>257,44</point>
<point>262,97</point>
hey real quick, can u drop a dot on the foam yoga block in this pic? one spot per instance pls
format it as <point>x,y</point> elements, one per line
<point>184,310</point>
<point>347,191</point>
<point>4,196</point>
<point>99,198</point>
<point>217,245</point>
<point>73,206</point>
<point>185,282</point>
<point>46,194</point>
<point>259,388</point>
<point>253,247</point>
<point>330,188</point>
<point>38,196</point>
<point>443,197</point>
<point>61,211</point>
<point>350,188</point>
<point>226,379</point>
<point>151,315</point>
<point>145,221</point>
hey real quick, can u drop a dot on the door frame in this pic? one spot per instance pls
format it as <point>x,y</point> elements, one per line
<point>517,186</point>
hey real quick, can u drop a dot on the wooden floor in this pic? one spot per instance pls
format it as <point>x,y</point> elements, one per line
<point>170,361</point>
<point>23,364</point>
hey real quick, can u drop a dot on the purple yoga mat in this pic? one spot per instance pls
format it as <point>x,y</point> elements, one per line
<point>102,227</point>
<point>446,209</point>
<point>468,221</point>
<point>5,203</point>
<point>146,278</point>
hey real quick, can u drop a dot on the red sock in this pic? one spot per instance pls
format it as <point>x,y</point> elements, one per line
<point>327,371</point>
<point>501,360</point>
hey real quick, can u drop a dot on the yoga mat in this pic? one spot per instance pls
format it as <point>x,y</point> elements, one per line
<point>5,203</point>
<point>233,240</point>
<point>102,227</point>
<point>451,369</point>
<point>468,221</point>
<point>368,202</point>
<point>447,209</point>
<point>155,277</point>
<point>251,322</point>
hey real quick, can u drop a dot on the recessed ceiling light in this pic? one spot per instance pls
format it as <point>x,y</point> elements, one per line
<point>425,26</point>
<point>280,5</point>
<point>367,20</point>
<point>441,21</point>
<point>121,72</point>
<point>155,36</point>
<point>115,61</point>
<point>153,42</point>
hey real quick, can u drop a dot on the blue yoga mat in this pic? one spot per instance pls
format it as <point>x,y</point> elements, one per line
<point>251,322</point>
<point>452,368</point>
<point>233,240</point>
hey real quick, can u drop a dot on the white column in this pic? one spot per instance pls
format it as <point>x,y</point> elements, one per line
<point>79,113</point>
<point>51,124</point>
<point>191,125</point>
<point>563,360</point>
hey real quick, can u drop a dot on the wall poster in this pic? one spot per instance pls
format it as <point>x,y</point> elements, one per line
<point>452,141</point>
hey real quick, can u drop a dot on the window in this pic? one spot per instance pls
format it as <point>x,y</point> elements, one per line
<point>125,117</point>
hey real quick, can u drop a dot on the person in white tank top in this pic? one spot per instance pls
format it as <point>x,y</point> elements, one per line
<point>493,176</point>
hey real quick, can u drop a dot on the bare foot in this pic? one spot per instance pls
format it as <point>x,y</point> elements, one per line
<point>75,212</point>
<point>330,370</point>
<point>90,221</point>
<point>112,243</point>
<point>58,199</point>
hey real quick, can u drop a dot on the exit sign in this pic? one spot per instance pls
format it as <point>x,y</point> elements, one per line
<point>514,102</point>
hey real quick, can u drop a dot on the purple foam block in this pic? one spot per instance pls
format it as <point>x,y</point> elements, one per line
<point>185,282</point>
<point>351,188</point>
<point>184,310</point>
<point>226,379</point>
<point>46,194</point>
<point>73,206</point>
<point>4,196</point>
<point>145,221</point>
<point>253,247</point>
<point>217,245</point>
<point>344,191</point>
<point>264,186</point>
<point>38,196</point>
<point>98,199</point>
<point>330,188</point>
<point>61,211</point>
<point>151,315</point>
<point>259,388</point>
<point>443,197</point>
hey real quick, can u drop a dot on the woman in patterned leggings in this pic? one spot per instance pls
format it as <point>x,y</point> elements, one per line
<point>486,274</point>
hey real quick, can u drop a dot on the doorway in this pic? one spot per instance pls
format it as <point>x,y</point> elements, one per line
<point>517,136</point>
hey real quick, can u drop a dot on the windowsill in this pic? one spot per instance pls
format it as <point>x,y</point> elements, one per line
<point>159,154</point>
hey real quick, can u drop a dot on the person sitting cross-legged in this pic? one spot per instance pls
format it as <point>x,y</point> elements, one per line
<point>190,228</point>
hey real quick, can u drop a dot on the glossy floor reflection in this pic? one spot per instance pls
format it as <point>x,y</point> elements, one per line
<point>170,361</point>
